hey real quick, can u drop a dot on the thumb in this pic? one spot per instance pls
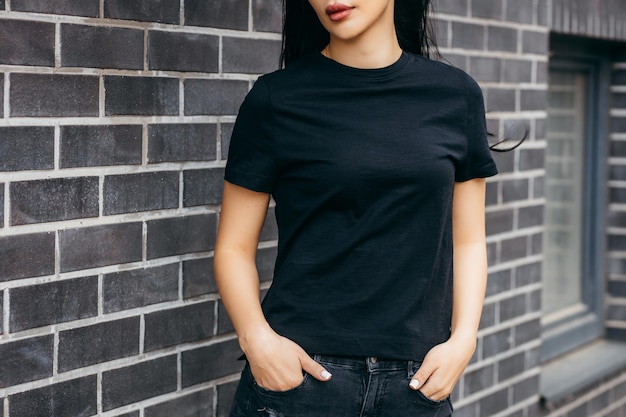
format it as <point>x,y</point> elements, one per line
<point>314,369</point>
<point>421,376</point>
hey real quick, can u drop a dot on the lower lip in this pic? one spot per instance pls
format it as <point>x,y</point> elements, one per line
<point>340,15</point>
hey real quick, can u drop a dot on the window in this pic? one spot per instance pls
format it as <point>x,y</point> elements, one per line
<point>574,190</point>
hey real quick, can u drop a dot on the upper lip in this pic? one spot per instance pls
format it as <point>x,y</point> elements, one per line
<point>337,7</point>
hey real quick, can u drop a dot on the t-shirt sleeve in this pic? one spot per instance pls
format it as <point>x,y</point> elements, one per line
<point>252,155</point>
<point>477,161</point>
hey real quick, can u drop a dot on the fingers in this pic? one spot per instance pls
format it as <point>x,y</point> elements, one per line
<point>314,369</point>
<point>422,375</point>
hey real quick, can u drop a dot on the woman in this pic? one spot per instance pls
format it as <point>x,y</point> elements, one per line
<point>376,158</point>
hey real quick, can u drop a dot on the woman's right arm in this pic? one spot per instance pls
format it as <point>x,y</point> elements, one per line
<point>275,361</point>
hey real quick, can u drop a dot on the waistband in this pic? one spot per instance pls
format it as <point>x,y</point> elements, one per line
<point>369,363</point>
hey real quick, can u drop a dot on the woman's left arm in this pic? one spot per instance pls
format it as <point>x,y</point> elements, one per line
<point>444,364</point>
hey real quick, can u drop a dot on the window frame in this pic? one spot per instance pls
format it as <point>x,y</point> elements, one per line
<point>585,325</point>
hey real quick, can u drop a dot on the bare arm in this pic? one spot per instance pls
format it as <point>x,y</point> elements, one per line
<point>276,362</point>
<point>444,364</point>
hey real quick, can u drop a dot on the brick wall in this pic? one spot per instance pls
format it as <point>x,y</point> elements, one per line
<point>616,288</point>
<point>503,45</point>
<point>114,126</point>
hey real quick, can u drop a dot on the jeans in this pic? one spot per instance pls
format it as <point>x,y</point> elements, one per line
<point>359,387</point>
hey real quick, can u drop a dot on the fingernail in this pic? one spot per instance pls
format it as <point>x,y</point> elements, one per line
<point>414,384</point>
<point>325,374</point>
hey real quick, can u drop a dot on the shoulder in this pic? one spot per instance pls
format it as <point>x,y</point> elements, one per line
<point>448,75</point>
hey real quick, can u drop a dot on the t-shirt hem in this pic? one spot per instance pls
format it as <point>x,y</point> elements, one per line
<point>488,171</point>
<point>248,183</point>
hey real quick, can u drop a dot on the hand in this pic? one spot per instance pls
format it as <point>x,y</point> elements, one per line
<point>277,363</point>
<point>442,368</point>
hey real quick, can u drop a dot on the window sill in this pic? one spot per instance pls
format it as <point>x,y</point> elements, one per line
<point>579,370</point>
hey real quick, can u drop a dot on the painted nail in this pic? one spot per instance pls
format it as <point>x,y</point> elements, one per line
<point>414,384</point>
<point>325,374</point>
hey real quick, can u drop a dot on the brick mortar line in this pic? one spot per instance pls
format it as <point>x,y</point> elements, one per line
<point>114,120</point>
<point>616,301</point>
<point>616,230</point>
<point>618,184</point>
<point>615,324</point>
<point>513,292</point>
<point>132,24</point>
<point>6,100</point>
<point>481,21</point>
<point>113,72</point>
<point>512,206</point>
<point>618,137</point>
<point>105,367</point>
<point>109,170</point>
<point>7,206</point>
<point>515,175</point>
<point>588,396</point>
<point>6,311</point>
<point>512,234</point>
<point>106,318</point>
<point>477,396</point>
<point>500,356</point>
<point>515,263</point>
<point>511,324</point>
<point>486,53</point>
<point>518,406</point>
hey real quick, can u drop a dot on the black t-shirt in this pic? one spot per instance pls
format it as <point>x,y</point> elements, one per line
<point>362,165</point>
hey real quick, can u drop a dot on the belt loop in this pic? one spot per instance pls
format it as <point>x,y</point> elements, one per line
<point>409,369</point>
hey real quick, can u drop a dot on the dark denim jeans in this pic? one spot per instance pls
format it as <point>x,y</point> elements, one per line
<point>365,387</point>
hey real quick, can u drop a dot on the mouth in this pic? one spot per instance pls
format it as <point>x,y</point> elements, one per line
<point>338,11</point>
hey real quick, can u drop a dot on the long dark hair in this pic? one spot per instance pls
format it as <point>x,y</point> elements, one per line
<point>303,33</point>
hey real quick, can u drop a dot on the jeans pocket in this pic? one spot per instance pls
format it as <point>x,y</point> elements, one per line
<point>267,392</point>
<point>414,366</point>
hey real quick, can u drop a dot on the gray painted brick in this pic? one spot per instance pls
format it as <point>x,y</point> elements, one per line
<point>499,282</point>
<point>531,216</point>
<point>531,159</point>
<point>616,242</point>
<point>2,312</point>
<point>225,395</point>
<point>198,277</point>
<point>618,148</point>
<point>512,307</point>
<point>488,316</point>
<point>101,47</point>
<point>140,192</point>
<point>98,343</point>
<point>179,235</point>
<point>490,9</point>
<point>617,172</point>
<point>451,6</point>
<point>252,56</point>
<point>617,288</point>
<point>494,403</point>
<point>528,274</point>
<point>525,389</point>
<point>479,379</point>
<point>491,194</point>
<point>618,124</point>
<point>138,382</point>
<point>66,198</point>
<point>100,145</point>
<point>177,51</point>
<point>198,404</point>
<point>270,228</point>
<point>615,218</point>
<point>468,35</point>
<point>519,11</point>
<point>214,97</point>
<point>527,332</point>
<point>505,161</point>
<point>1,205</point>
<point>499,221</point>
<point>179,325</point>
<point>618,100</point>
<point>57,302</point>
<point>498,342</point>
<point>485,69</point>
<point>182,142</point>
<point>267,15</point>
<point>141,96</point>
<point>131,414</point>
<point>162,11</point>
<point>76,397</point>
<point>511,366</point>
<point>224,325</point>
<point>515,190</point>
<point>2,92</point>
<point>618,77</point>
<point>517,71</point>
<point>26,360</point>
<point>534,42</point>
<point>25,256</point>
<point>26,148</point>
<point>31,43</point>
<point>232,14</point>
<point>89,8</point>
<point>226,133</point>
<point>500,99</point>
<point>514,248</point>
<point>211,362</point>
<point>49,95</point>
<point>139,287</point>
<point>96,246</point>
<point>501,39</point>
<point>203,186</point>
<point>533,100</point>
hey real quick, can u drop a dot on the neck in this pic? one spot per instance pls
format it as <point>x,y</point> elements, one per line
<point>377,48</point>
